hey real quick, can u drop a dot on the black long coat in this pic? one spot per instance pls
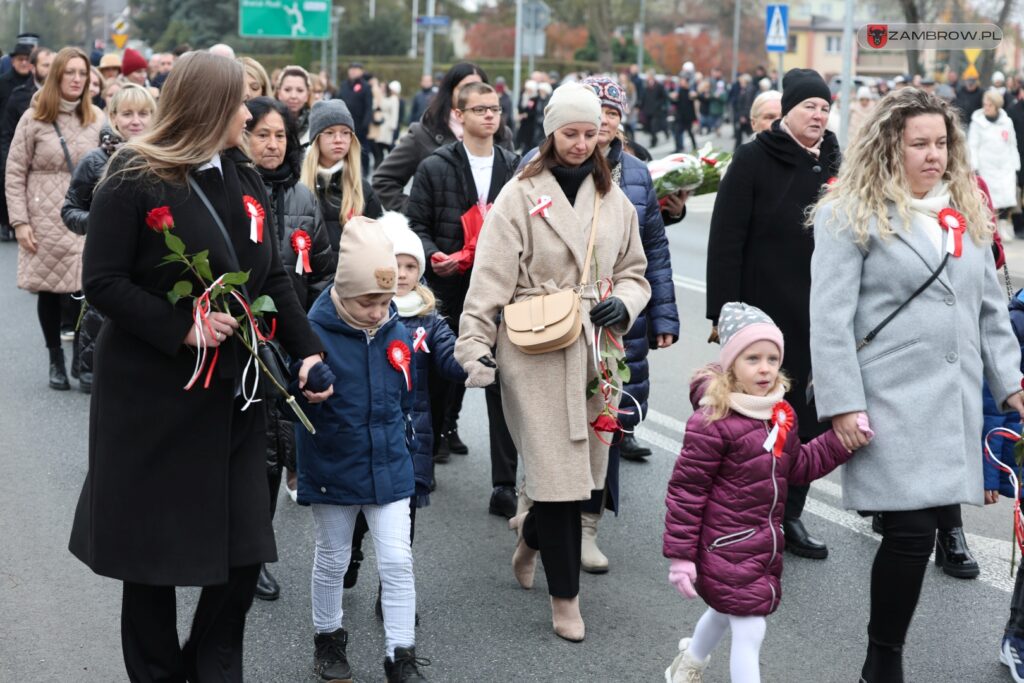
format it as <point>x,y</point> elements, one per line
<point>759,251</point>
<point>176,491</point>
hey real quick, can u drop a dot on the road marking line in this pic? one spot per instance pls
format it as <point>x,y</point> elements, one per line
<point>677,426</point>
<point>992,554</point>
<point>690,283</point>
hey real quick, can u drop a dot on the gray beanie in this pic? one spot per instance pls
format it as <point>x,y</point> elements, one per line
<point>327,113</point>
<point>739,326</point>
<point>571,103</point>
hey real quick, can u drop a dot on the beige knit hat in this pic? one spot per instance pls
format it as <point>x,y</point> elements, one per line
<point>571,103</point>
<point>366,260</point>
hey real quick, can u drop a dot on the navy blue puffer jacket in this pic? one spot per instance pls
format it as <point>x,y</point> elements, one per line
<point>660,316</point>
<point>996,480</point>
<point>440,350</point>
<point>361,452</point>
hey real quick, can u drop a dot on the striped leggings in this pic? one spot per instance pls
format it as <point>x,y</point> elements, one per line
<point>389,527</point>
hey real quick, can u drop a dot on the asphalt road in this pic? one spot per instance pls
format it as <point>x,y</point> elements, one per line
<point>61,622</point>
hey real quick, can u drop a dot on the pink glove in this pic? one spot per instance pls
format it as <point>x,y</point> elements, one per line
<point>864,425</point>
<point>683,574</point>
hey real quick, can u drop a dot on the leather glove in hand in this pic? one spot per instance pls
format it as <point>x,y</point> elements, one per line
<point>609,313</point>
<point>683,574</point>
<point>482,372</point>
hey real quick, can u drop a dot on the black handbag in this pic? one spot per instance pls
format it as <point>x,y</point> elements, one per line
<point>268,351</point>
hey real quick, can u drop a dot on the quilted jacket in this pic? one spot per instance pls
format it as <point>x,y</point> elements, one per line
<point>37,178</point>
<point>725,503</point>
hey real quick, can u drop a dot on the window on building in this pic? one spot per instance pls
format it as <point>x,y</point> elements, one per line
<point>833,44</point>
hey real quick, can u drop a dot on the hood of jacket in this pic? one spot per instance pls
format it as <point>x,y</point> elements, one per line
<point>323,314</point>
<point>780,145</point>
<point>979,118</point>
<point>699,384</point>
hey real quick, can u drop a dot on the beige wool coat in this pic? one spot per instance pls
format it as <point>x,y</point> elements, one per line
<point>37,180</point>
<point>544,396</point>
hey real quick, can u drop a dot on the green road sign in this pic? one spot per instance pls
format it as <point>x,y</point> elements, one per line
<point>295,19</point>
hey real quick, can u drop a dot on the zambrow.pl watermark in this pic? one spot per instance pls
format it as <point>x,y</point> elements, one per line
<point>895,37</point>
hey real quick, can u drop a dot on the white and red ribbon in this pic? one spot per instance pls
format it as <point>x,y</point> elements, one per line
<point>254,211</point>
<point>400,359</point>
<point>782,421</point>
<point>954,222</point>
<point>301,245</point>
<point>544,203</point>
<point>1018,517</point>
<point>419,341</point>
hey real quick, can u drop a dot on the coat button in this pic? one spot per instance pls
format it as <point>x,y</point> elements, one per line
<point>816,168</point>
<point>951,357</point>
<point>950,300</point>
<point>323,489</point>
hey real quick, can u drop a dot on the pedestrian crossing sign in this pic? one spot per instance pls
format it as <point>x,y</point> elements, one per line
<point>776,33</point>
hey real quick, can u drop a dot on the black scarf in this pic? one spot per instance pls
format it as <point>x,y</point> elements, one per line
<point>570,179</point>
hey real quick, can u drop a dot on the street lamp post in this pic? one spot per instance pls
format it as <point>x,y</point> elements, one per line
<point>640,37</point>
<point>517,64</point>
<point>735,40</point>
<point>428,40</point>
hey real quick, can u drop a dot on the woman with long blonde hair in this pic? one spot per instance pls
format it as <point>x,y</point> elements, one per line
<point>333,168</point>
<point>907,318</point>
<point>190,464</point>
<point>257,82</point>
<point>59,128</point>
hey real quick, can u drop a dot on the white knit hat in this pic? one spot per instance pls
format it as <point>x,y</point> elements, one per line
<point>571,103</point>
<point>396,229</point>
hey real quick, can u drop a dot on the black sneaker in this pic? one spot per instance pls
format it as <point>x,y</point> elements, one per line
<point>503,502</point>
<point>455,444</point>
<point>405,666</point>
<point>352,573</point>
<point>330,662</point>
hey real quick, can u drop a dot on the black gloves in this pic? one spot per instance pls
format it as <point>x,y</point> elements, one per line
<point>609,313</point>
<point>320,377</point>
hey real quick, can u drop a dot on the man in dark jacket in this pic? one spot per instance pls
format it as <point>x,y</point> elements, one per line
<point>16,90</point>
<point>1016,114</point>
<point>422,98</point>
<point>458,180</point>
<point>759,250</point>
<point>358,95</point>
<point>654,107</point>
<point>968,100</point>
<point>744,100</point>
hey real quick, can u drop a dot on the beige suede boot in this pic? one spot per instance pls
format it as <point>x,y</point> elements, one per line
<point>592,559</point>
<point>566,618</point>
<point>524,559</point>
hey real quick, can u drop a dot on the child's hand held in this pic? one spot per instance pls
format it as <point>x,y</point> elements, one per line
<point>683,575</point>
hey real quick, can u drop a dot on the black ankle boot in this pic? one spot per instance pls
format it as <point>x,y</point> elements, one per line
<point>404,668</point>
<point>631,449</point>
<point>267,587</point>
<point>58,373</point>
<point>455,444</point>
<point>953,555</point>
<point>884,664</point>
<point>330,662</point>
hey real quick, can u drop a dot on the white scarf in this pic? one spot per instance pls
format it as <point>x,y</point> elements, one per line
<point>756,407</point>
<point>924,213</point>
<point>409,304</point>
<point>328,172</point>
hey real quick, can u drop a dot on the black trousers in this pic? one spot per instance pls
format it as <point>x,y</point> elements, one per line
<point>1015,625</point>
<point>898,572</point>
<point>795,500</point>
<point>48,308</point>
<point>555,530</point>
<point>213,651</point>
<point>504,456</point>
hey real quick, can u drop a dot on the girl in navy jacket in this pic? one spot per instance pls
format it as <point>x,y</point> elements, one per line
<point>360,459</point>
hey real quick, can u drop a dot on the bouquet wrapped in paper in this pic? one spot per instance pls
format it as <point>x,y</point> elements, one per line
<point>696,174</point>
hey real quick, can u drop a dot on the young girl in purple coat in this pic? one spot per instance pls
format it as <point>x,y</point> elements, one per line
<point>723,529</point>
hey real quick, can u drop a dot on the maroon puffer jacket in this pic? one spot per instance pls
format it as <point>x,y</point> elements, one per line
<point>725,503</point>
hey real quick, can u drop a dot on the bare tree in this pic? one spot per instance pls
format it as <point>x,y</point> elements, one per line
<point>599,22</point>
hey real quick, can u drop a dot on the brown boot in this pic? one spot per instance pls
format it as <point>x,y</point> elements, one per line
<point>524,559</point>
<point>566,619</point>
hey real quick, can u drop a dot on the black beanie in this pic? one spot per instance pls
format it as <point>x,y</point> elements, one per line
<point>803,84</point>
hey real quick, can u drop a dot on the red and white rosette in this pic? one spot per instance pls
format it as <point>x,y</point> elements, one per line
<point>255,212</point>
<point>783,420</point>
<point>544,203</point>
<point>400,359</point>
<point>419,341</point>
<point>302,244</point>
<point>953,221</point>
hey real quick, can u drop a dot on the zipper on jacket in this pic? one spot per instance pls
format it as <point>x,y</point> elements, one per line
<point>772,606</point>
<point>771,510</point>
<point>730,539</point>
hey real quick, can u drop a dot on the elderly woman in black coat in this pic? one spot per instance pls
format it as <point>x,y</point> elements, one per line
<point>176,492</point>
<point>759,251</point>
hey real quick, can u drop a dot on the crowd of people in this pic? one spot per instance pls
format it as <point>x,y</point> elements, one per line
<point>515,245</point>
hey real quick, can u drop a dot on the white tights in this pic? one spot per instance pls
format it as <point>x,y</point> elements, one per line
<point>747,634</point>
<point>389,526</point>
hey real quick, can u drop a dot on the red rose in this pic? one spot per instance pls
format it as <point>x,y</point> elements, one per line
<point>606,423</point>
<point>160,219</point>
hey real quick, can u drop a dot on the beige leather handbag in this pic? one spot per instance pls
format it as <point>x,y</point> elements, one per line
<point>549,322</point>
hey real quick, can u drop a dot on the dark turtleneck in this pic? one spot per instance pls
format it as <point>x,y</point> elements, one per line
<point>570,179</point>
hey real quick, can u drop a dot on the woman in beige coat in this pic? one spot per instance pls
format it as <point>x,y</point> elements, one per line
<point>545,396</point>
<point>57,130</point>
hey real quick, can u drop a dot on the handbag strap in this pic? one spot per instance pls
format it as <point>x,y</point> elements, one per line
<point>223,230</point>
<point>64,146</point>
<point>593,237</point>
<point>874,333</point>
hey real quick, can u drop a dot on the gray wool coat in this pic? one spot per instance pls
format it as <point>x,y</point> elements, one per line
<point>920,380</point>
<point>544,396</point>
